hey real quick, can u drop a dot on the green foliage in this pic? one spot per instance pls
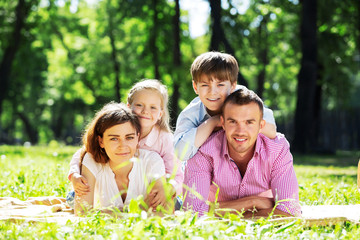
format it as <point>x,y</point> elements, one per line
<point>42,171</point>
<point>66,66</point>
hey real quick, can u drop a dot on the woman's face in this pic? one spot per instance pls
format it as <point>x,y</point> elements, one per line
<point>120,142</point>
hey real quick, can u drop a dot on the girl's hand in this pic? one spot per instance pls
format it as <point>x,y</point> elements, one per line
<point>156,196</point>
<point>80,184</point>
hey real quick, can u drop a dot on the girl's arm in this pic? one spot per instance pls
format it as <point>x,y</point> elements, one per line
<point>79,182</point>
<point>171,162</point>
<point>85,202</point>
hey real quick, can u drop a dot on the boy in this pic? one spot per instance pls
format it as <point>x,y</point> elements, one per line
<point>214,77</point>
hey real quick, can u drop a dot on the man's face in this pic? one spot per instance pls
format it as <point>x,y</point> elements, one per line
<point>213,92</point>
<point>242,124</point>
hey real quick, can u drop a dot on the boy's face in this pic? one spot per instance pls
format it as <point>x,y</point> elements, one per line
<point>213,92</point>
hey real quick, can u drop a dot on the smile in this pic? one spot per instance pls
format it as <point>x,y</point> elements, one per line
<point>122,154</point>
<point>144,117</point>
<point>213,99</point>
<point>240,139</point>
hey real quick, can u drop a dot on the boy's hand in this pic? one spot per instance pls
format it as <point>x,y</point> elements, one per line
<point>217,123</point>
<point>80,184</point>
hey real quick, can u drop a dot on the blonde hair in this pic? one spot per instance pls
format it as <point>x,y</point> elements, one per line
<point>161,89</point>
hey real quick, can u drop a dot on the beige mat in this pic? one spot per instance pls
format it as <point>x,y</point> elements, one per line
<point>55,209</point>
<point>50,209</point>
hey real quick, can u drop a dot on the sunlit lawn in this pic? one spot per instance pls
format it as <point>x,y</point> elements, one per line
<point>42,171</point>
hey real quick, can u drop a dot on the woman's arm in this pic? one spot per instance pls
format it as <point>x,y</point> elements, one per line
<point>85,202</point>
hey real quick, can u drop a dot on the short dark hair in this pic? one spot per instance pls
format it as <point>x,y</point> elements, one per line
<point>110,115</point>
<point>222,66</point>
<point>244,96</point>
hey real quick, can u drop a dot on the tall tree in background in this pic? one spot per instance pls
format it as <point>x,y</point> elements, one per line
<point>263,54</point>
<point>153,37</point>
<point>174,109</point>
<point>218,35</point>
<point>115,62</point>
<point>304,115</point>
<point>21,12</point>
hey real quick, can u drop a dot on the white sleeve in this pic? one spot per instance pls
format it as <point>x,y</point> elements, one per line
<point>90,163</point>
<point>269,116</point>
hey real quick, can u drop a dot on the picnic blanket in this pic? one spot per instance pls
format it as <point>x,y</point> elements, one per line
<point>55,209</point>
<point>34,209</point>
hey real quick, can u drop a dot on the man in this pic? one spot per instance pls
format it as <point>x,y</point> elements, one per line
<point>237,167</point>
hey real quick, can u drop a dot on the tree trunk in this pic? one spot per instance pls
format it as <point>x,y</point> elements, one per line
<point>304,115</point>
<point>177,64</point>
<point>263,56</point>
<point>116,63</point>
<point>218,35</point>
<point>21,13</point>
<point>153,36</point>
<point>29,128</point>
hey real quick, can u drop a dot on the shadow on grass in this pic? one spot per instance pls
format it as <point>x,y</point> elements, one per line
<point>340,159</point>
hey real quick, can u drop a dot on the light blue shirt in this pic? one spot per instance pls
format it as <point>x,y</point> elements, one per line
<point>188,122</point>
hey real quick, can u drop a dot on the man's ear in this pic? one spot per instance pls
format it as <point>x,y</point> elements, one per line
<point>101,142</point>
<point>195,87</point>
<point>222,121</point>
<point>262,124</point>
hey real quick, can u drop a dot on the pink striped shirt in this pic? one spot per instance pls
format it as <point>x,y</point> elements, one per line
<point>271,168</point>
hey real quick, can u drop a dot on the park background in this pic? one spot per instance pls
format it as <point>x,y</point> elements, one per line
<point>61,60</point>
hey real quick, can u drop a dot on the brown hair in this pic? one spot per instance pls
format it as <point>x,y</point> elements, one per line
<point>218,65</point>
<point>161,90</point>
<point>244,96</point>
<point>110,115</point>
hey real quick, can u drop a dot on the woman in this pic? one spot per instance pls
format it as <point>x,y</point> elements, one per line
<point>116,170</point>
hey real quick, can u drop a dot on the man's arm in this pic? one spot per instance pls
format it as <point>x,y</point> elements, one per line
<point>197,181</point>
<point>283,182</point>
<point>253,206</point>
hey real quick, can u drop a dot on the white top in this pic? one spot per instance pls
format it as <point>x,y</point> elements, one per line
<point>147,167</point>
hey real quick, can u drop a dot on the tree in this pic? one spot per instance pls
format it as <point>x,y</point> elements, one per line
<point>21,12</point>
<point>218,35</point>
<point>304,115</point>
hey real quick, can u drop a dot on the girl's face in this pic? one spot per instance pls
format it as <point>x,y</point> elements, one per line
<point>120,142</point>
<point>147,106</point>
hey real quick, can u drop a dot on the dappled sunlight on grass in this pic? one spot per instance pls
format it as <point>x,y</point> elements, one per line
<point>42,171</point>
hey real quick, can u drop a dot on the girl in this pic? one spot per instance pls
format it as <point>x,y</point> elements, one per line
<point>115,170</point>
<point>148,99</point>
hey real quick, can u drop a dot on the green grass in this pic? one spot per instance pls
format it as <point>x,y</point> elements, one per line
<point>42,171</point>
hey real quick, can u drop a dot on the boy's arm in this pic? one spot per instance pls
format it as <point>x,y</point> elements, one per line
<point>185,137</point>
<point>204,131</point>
<point>269,129</point>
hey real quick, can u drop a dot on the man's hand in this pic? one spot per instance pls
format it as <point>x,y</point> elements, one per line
<point>263,203</point>
<point>80,184</point>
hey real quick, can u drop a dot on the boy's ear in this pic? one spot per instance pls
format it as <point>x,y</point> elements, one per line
<point>233,86</point>
<point>195,87</point>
